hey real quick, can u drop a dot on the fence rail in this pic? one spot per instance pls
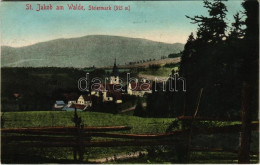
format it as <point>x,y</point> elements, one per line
<point>63,129</point>
<point>80,137</point>
<point>69,131</point>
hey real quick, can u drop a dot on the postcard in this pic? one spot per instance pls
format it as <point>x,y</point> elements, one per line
<point>129,82</point>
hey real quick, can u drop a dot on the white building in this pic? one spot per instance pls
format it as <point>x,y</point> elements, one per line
<point>59,104</point>
<point>139,88</point>
<point>107,91</point>
<point>85,100</point>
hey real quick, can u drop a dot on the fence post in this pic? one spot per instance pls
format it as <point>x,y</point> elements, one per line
<point>191,125</point>
<point>245,135</point>
<point>79,149</point>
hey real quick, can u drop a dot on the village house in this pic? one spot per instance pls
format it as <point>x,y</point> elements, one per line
<point>82,102</point>
<point>139,88</point>
<point>59,104</point>
<point>73,106</point>
<point>105,92</point>
<point>85,100</point>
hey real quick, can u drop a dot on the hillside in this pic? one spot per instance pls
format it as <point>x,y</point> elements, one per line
<point>97,50</point>
<point>59,118</point>
<point>146,64</point>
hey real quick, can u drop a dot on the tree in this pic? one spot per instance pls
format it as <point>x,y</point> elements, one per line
<point>213,28</point>
<point>187,53</point>
<point>237,31</point>
<point>211,60</point>
<point>202,59</point>
<point>250,77</point>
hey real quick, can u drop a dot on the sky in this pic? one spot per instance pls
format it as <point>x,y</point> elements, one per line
<point>162,21</point>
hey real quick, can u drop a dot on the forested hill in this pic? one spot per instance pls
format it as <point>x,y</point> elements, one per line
<point>97,50</point>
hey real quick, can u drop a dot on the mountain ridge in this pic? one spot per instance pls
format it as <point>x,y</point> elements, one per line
<point>86,51</point>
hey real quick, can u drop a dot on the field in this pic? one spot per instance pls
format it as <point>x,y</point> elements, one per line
<point>155,62</point>
<point>162,72</point>
<point>57,118</point>
<point>156,154</point>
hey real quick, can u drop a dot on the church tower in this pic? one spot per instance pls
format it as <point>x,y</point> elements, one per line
<point>114,78</point>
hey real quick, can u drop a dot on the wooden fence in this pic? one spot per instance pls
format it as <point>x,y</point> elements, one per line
<point>80,137</point>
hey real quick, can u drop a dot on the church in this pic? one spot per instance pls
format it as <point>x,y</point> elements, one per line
<point>107,91</point>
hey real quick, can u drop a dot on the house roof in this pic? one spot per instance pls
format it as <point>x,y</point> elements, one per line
<point>103,87</point>
<point>60,102</point>
<point>66,108</point>
<point>16,95</point>
<point>78,106</point>
<point>115,94</point>
<point>97,87</point>
<point>86,97</point>
<point>141,86</point>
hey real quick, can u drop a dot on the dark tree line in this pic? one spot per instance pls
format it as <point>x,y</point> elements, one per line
<point>38,88</point>
<point>210,61</point>
<point>140,61</point>
<point>220,57</point>
<point>250,67</point>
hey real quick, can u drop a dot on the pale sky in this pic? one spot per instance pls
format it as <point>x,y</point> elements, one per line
<point>162,21</point>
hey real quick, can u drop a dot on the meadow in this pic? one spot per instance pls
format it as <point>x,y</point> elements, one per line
<point>59,118</point>
<point>156,154</point>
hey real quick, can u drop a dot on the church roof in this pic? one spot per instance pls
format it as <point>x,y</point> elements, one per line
<point>141,86</point>
<point>117,95</point>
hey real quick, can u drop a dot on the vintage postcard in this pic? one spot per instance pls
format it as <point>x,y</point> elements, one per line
<point>126,82</point>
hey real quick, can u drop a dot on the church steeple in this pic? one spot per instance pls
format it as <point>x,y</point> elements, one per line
<point>115,71</point>
<point>115,62</point>
<point>114,78</point>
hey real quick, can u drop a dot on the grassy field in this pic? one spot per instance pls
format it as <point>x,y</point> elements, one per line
<point>162,71</point>
<point>139,126</point>
<point>197,158</point>
<point>58,118</point>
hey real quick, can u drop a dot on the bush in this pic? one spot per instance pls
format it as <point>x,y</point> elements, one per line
<point>154,67</point>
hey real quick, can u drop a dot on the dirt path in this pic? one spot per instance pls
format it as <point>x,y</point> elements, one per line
<point>131,108</point>
<point>119,157</point>
<point>128,109</point>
